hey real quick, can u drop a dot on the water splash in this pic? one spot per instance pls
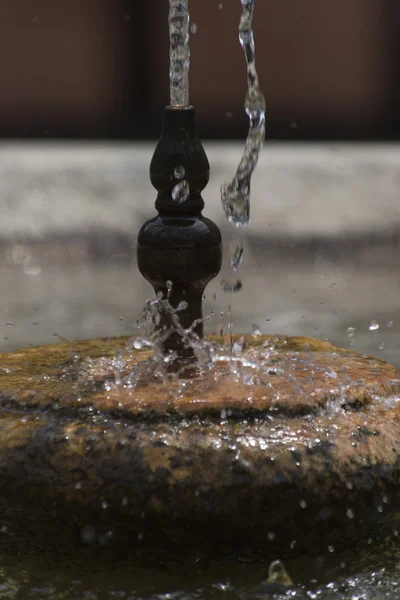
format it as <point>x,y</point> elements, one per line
<point>277,573</point>
<point>234,367</point>
<point>213,359</point>
<point>373,326</point>
<point>179,52</point>
<point>235,195</point>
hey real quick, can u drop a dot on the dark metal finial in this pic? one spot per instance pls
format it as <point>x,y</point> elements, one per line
<point>179,244</point>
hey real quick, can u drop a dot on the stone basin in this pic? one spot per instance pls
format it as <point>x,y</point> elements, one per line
<point>302,457</point>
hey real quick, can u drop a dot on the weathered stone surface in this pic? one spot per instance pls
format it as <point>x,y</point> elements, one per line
<point>305,455</point>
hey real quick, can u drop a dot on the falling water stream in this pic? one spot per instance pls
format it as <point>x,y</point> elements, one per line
<point>179,52</point>
<point>235,195</point>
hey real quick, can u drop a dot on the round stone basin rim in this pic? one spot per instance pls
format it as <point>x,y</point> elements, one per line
<point>297,376</point>
<point>77,455</point>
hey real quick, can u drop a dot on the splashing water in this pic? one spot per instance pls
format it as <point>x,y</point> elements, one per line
<point>235,195</point>
<point>278,574</point>
<point>238,369</point>
<point>214,361</point>
<point>179,52</point>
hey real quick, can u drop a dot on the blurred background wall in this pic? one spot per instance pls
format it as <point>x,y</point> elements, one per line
<point>99,68</point>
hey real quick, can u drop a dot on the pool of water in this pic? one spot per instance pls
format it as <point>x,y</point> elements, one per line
<point>364,573</point>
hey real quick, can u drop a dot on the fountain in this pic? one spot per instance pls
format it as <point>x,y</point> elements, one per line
<point>179,447</point>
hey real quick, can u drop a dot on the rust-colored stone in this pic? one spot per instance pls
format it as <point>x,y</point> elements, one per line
<point>266,466</point>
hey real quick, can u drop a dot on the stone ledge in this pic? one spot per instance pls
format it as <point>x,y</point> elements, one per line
<point>297,190</point>
<point>269,484</point>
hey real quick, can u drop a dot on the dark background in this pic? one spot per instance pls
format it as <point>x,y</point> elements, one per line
<point>99,68</point>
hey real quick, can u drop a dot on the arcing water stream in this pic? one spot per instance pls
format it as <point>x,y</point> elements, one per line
<point>235,195</point>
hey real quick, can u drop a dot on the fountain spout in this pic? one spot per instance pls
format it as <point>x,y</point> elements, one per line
<point>179,251</point>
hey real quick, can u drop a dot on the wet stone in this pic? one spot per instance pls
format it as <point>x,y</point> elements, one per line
<point>238,461</point>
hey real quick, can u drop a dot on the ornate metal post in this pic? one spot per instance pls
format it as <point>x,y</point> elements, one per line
<point>179,245</point>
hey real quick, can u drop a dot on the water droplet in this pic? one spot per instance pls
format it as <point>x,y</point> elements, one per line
<point>231,286</point>
<point>350,513</point>
<point>389,324</point>
<point>256,331</point>
<point>10,324</point>
<point>88,535</point>
<point>236,254</point>
<point>179,172</point>
<point>271,536</point>
<point>382,346</point>
<point>31,266</point>
<point>331,548</point>
<point>238,346</point>
<point>182,306</point>
<point>180,192</point>
<point>138,343</point>
<point>104,505</point>
<point>278,574</point>
<point>236,203</point>
<point>222,587</point>
<point>193,28</point>
<point>220,6</point>
<point>373,326</point>
<point>303,503</point>
<point>105,538</point>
